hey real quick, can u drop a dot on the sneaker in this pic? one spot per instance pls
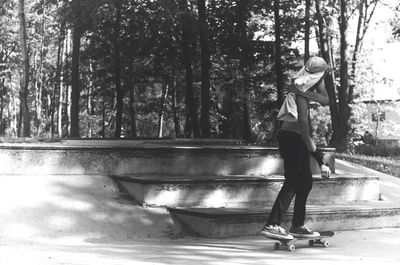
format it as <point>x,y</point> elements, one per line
<point>275,231</point>
<point>302,231</point>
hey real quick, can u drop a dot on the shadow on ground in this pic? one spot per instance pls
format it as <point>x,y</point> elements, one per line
<point>74,209</point>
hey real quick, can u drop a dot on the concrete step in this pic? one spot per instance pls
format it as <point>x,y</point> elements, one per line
<point>106,157</point>
<point>239,190</point>
<point>231,222</point>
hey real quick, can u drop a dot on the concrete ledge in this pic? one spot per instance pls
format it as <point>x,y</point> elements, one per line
<point>141,157</point>
<point>239,190</point>
<point>119,141</point>
<point>220,223</point>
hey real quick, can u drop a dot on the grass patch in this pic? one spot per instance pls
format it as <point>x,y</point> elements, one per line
<point>386,165</point>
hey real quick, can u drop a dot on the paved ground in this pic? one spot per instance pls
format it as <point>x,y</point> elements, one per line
<point>82,220</point>
<point>355,247</point>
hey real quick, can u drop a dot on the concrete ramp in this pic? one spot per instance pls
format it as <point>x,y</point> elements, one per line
<point>74,209</point>
<point>61,189</point>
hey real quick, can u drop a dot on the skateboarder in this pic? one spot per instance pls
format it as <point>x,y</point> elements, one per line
<point>295,145</point>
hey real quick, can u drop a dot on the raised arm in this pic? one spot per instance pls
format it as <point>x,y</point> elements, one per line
<point>320,96</point>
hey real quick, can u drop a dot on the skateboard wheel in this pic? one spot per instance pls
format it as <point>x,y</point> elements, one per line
<point>326,244</point>
<point>291,247</point>
<point>277,245</point>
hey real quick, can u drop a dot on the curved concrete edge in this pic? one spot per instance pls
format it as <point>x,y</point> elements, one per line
<point>131,143</point>
<point>113,159</point>
<point>222,223</point>
<point>238,191</point>
<point>188,179</point>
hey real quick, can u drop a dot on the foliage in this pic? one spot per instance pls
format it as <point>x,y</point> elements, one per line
<point>150,47</point>
<point>368,101</point>
<point>321,127</point>
<point>395,20</point>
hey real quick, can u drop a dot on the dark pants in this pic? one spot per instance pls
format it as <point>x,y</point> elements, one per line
<point>298,179</point>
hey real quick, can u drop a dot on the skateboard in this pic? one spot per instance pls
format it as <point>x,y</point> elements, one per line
<point>321,240</point>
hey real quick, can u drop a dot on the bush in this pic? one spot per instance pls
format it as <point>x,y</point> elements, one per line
<point>377,150</point>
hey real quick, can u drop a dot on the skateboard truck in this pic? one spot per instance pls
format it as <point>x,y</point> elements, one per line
<point>289,243</point>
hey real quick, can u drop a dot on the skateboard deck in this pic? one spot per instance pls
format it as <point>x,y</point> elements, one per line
<point>289,244</point>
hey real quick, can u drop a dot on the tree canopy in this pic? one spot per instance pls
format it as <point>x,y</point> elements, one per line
<point>181,68</point>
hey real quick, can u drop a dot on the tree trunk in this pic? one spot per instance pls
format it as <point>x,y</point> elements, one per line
<point>19,126</point>
<point>357,41</point>
<point>68,105</point>
<point>307,46</point>
<point>75,82</point>
<point>40,75</point>
<point>307,31</point>
<point>330,78</point>
<point>205,71</point>
<point>164,95</point>
<point>177,125</point>
<point>278,53</point>
<point>132,108</point>
<point>117,69</point>
<point>13,112</point>
<point>103,120</point>
<point>57,88</point>
<point>24,109</point>
<point>2,107</point>
<point>362,27</point>
<point>245,66</point>
<point>63,110</point>
<point>89,105</point>
<point>3,61</point>
<point>192,125</point>
<point>60,108</point>
<point>36,85</point>
<point>344,79</point>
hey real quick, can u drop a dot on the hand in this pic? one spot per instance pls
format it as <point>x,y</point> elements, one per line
<point>325,171</point>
